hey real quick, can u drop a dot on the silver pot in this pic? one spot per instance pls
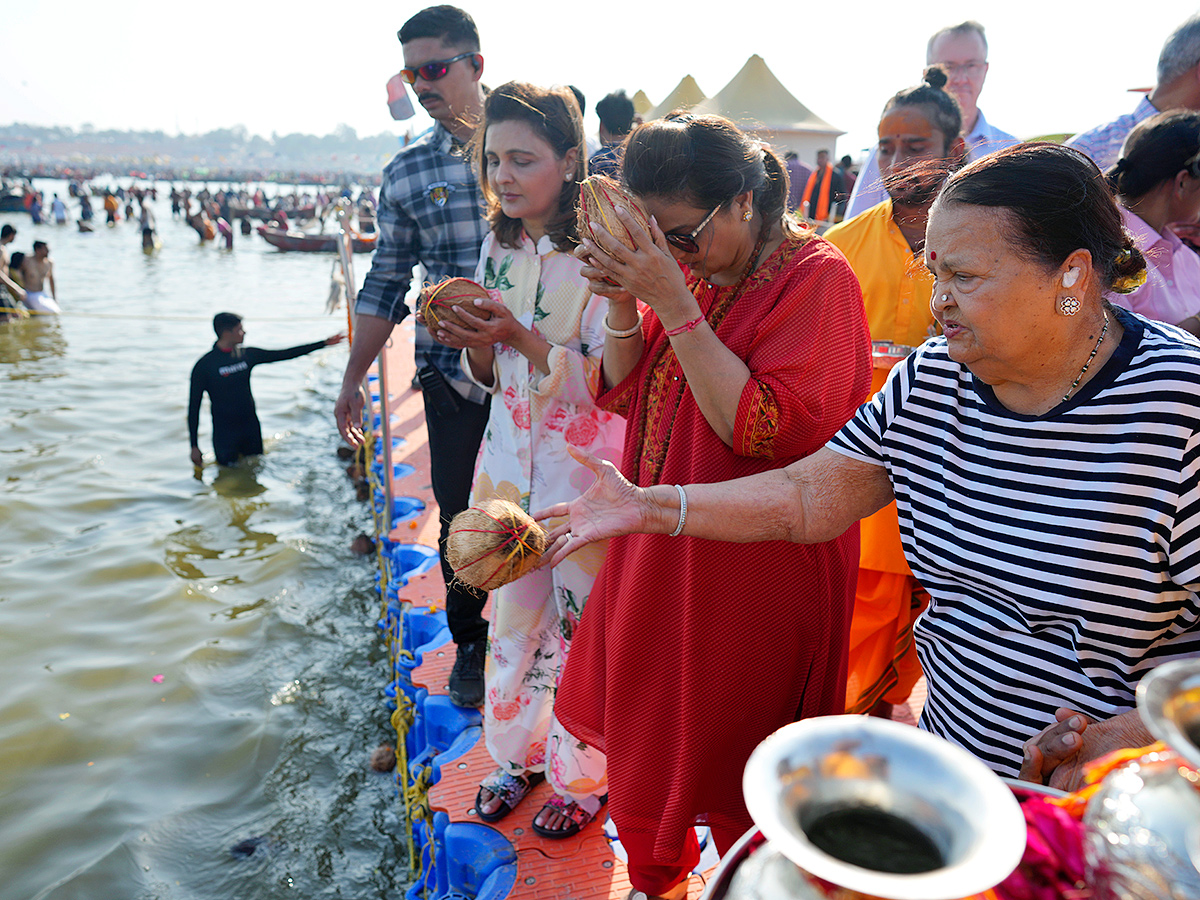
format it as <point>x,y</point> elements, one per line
<point>811,778</point>
<point>1143,826</point>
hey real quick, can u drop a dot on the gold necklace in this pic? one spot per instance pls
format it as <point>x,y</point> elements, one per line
<point>1095,350</point>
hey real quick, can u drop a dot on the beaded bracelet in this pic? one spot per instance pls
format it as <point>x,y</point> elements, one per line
<point>636,329</point>
<point>682,512</point>
<point>686,327</point>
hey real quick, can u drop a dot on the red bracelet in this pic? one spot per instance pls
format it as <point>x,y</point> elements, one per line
<point>686,327</point>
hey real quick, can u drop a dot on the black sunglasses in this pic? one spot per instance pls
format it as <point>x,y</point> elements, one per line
<point>434,69</point>
<point>687,242</point>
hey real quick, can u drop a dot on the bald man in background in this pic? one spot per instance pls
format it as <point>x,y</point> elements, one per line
<point>962,50</point>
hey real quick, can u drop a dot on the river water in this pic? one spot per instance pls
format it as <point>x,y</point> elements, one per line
<point>117,566</point>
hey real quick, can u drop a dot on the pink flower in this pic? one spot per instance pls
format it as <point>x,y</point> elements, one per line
<point>510,397</point>
<point>536,755</point>
<point>521,415</point>
<point>582,431</point>
<point>502,712</point>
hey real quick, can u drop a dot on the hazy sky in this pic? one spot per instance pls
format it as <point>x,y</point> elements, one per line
<point>284,67</point>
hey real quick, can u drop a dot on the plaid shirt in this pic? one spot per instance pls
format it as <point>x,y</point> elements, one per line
<point>430,212</point>
<point>1103,143</point>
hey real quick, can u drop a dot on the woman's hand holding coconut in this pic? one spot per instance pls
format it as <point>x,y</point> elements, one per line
<point>484,324</point>
<point>648,272</point>
<point>722,246</point>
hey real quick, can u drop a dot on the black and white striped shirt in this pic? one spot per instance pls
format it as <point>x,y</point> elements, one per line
<point>1062,551</point>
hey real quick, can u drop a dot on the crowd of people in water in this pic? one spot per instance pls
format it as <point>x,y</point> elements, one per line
<point>25,277</point>
<point>957,434</point>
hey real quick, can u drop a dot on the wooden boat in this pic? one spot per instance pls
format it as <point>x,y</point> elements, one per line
<point>263,213</point>
<point>12,201</point>
<point>312,243</point>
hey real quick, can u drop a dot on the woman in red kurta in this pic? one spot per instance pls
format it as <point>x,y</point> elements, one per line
<point>691,651</point>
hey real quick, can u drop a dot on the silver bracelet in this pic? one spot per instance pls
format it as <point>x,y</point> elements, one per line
<point>636,329</point>
<point>682,512</point>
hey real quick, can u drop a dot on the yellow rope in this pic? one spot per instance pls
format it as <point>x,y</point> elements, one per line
<point>521,545</point>
<point>416,794</point>
<point>599,206</point>
<point>402,720</point>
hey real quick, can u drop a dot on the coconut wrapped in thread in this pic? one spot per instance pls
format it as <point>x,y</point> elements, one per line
<point>599,197</point>
<point>492,543</point>
<point>440,301</point>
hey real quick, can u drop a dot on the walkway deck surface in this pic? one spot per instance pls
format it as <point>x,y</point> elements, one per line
<point>583,867</point>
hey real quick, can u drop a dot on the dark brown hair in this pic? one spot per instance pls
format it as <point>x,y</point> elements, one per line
<point>553,114</point>
<point>1054,201</point>
<point>452,26</point>
<point>945,113</point>
<point>706,161</point>
<point>1157,150</point>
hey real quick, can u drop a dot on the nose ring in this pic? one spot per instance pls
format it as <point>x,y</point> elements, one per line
<point>945,297</point>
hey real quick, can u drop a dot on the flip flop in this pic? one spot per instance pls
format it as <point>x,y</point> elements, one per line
<point>511,789</point>
<point>569,809</point>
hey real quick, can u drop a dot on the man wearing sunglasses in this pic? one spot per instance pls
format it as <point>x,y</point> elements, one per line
<point>430,213</point>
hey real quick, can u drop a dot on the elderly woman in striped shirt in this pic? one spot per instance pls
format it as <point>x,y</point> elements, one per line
<point>1044,455</point>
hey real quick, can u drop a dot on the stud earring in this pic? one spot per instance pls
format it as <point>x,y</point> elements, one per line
<point>747,215</point>
<point>1068,306</point>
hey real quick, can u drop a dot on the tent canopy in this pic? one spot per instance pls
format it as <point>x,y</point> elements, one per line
<point>757,100</point>
<point>685,95</point>
<point>641,103</point>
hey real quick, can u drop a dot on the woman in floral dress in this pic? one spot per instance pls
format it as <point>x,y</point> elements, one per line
<point>536,345</point>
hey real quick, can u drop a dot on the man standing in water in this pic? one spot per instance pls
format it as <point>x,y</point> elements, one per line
<point>430,212</point>
<point>224,372</point>
<point>36,271</point>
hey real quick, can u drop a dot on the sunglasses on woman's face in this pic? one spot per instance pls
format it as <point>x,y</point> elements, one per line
<point>434,69</point>
<point>687,242</point>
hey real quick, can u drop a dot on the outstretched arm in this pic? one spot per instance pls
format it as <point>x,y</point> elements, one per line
<point>812,500</point>
<point>193,416</point>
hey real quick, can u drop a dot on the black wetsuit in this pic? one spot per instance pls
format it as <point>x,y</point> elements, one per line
<point>226,377</point>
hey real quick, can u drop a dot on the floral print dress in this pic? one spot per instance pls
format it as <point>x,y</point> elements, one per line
<point>524,458</point>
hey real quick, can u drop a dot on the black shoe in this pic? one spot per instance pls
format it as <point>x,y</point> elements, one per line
<point>466,679</point>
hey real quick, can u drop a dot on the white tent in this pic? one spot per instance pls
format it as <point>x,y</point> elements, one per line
<point>685,96</point>
<point>641,103</point>
<point>759,103</point>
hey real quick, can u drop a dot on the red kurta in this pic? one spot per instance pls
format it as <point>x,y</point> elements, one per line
<point>693,651</point>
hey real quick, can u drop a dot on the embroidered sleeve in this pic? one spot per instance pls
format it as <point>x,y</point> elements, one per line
<point>809,361</point>
<point>757,423</point>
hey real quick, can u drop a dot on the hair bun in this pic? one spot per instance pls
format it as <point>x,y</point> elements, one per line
<point>1129,269</point>
<point>935,76</point>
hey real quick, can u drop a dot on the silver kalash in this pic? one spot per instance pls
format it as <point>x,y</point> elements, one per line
<point>1143,826</point>
<point>809,769</point>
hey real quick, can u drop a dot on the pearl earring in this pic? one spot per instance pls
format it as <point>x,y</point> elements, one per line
<point>1068,306</point>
